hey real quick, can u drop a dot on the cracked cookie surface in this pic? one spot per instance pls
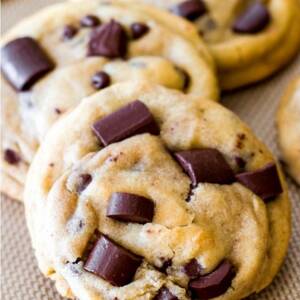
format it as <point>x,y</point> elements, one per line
<point>66,43</point>
<point>198,229</point>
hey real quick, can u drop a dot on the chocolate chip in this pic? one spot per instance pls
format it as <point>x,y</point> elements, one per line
<point>57,110</point>
<point>191,9</point>
<point>75,262</point>
<point>100,80</point>
<point>83,182</point>
<point>264,182</point>
<point>138,30</point>
<point>109,40</point>
<point>193,268</point>
<point>240,162</point>
<point>165,265</point>
<point>112,262</point>
<point>134,118</point>
<point>69,32</point>
<point>165,294</point>
<point>214,284</point>
<point>24,62</point>
<point>90,21</point>
<point>11,157</point>
<point>253,20</point>
<point>205,165</point>
<point>130,208</point>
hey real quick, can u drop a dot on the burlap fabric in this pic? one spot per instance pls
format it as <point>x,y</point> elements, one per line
<point>20,277</point>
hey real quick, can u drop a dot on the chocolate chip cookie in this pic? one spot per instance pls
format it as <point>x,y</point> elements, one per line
<point>68,51</point>
<point>249,39</point>
<point>144,192</point>
<point>288,124</point>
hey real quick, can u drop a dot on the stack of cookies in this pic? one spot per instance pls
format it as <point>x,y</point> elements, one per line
<point>137,184</point>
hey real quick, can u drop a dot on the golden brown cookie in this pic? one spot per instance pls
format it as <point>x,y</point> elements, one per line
<point>71,50</point>
<point>144,191</point>
<point>288,125</point>
<point>250,40</point>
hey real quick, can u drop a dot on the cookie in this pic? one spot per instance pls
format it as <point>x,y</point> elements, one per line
<point>288,125</point>
<point>143,192</point>
<point>250,40</point>
<point>68,51</point>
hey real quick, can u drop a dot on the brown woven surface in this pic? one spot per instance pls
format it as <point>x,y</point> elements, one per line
<point>20,278</point>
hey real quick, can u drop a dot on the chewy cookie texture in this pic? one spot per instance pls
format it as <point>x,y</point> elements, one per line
<point>288,125</point>
<point>249,39</point>
<point>71,50</point>
<point>147,198</point>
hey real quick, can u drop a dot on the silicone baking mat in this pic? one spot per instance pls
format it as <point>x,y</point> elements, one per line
<point>20,277</point>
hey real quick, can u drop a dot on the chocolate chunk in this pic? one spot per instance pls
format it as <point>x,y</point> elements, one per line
<point>69,32</point>
<point>253,20</point>
<point>165,294</point>
<point>112,262</point>
<point>11,157</point>
<point>100,80</point>
<point>134,118</point>
<point>24,62</point>
<point>109,40</point>
<point>264,182</point>
<point>193,268</point>
<point>90,21</point>
<point>130,208</point>
<point>138,30</point>
<point>214,284</point>
<point>191,9</point>
<point>83,182</point>
<point>205,165</point>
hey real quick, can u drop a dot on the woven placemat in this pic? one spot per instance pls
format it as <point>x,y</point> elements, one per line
<point>20,277</point>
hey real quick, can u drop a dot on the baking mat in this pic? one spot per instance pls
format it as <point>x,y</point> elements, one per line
<point>20,277</point>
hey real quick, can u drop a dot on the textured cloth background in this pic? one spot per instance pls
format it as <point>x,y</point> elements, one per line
<point>20,277</point>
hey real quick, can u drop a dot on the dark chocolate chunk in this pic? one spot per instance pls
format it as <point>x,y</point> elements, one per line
<point>134,118</point>
<point>264,182</point>
<point>253,20</point>
<point>100,80</point>
<point>130,208</point>
<point>83,182</point>
<point>190,9</point>
<point>213,284</point>
<point>11,157</point>
<point>90,21</point>
<point>69,32</point>
<point>138,30</point>
<point>165,294</point>
<point>205,165</point>
<point>24,62</point>
<point>112,262</point>
<point>193,268</point>
<point>109,40</point>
